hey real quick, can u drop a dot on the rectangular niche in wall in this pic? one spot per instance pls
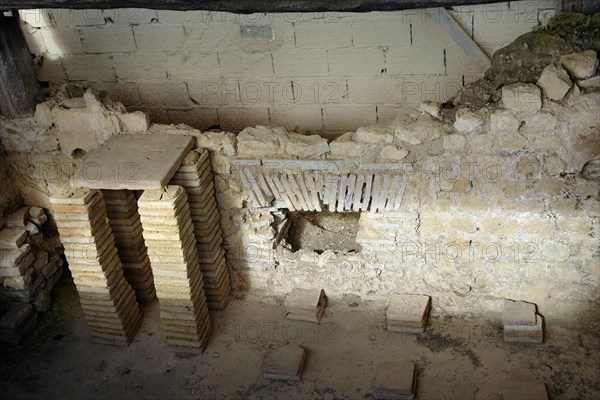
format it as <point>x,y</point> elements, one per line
<point>322,231</point>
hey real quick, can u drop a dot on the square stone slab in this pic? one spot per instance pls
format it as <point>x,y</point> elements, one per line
<point>524,390</point>
<point>395,379</point>
<point>285,362</point>
<point>133,162</point>
<point>306,299</point>
<point>519,313</point>
<point>408,307</point>
<point>15,317</point>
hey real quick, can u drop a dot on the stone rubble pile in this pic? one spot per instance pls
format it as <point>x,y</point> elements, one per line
<point>17,323</point>
<point>108,301</point>
<point>172,248</point>
<point>31,260</point>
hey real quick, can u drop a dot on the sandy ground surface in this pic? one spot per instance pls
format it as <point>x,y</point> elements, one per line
<point>456,359</point>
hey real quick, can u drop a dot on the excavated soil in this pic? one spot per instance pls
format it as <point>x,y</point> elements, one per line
<point>455,359</point>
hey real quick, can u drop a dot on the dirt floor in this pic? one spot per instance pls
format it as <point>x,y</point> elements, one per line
<point>456,359</point>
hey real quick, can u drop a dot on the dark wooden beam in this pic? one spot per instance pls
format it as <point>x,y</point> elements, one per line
<point>19,87</point>
<point>242,6</point>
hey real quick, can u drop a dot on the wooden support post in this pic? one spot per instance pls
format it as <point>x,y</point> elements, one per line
<point>19,87</point>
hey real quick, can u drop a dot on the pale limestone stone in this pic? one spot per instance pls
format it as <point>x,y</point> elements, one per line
<point>220,164</point>
<point>43,114</point>
<point>210,140</point>
<point>503,122</point>
<point>417,132</point>
<point>462,185</point>
<point>528,166</point>
<point>343,146</point>
<point>590,83</point>
<point>522,97</point>
<point>543,123</point>
<point>586,188</point>
<point>580,225</point>
<point>135,122</point>
<point>555,252</point>
<point>500,226</point>
<point>463,224</point>
<point>220,184</point>
<point>374,134</point>
<point>550,185</point>
<point>393,153</point>
<point>572,94</point>
<point>229,144</point>
<point>431,108</point>
<point>539,227</point>
<point>580,65</point>
<point>554,82</point>
<point>82,128</point>
<point>454,142</point>
<point>48,144</point>
<point>468,122</point>
<point>554,165</point>
<point>260,141</point>
<point>230,199</point>
<point>306,146</point>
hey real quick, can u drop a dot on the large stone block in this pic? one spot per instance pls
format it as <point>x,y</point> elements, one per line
<point>468,121</point>
<point>555,82</point>
<point>417,132</point>
<point>580,65</point>
<point>522,97</point>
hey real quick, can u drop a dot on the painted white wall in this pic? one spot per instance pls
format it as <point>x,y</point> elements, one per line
<point>323,72</point>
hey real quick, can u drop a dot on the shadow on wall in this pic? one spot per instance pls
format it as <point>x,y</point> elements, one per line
<point>10,200</point>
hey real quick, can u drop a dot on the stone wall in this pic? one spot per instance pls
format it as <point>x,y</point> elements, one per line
<point>496,205</point>
<point>322,72</point>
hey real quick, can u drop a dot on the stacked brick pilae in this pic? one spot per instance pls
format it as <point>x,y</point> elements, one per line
<point>522,323</point>
<point>107,300</point>
<point>169,236</point>
<point>195,176</point>
<point>124,220</point>
<point>408,313</point>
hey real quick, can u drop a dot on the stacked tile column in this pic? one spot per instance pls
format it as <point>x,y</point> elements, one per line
<point>124,220</point>
<point>195,176</point>
<point>169,236</point>
<point>107,300</point>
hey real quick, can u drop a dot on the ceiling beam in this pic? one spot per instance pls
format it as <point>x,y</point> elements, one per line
<point>242,6</point>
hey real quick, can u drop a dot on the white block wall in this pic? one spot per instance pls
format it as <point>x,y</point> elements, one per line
<point>323,72</point>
